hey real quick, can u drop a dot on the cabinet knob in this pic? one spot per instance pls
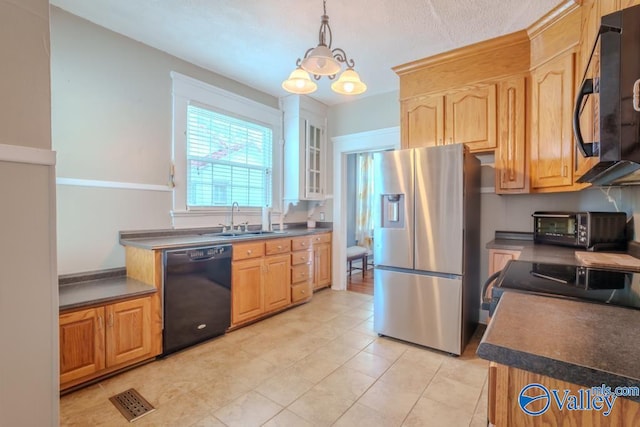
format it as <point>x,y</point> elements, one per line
<point>249,252</point>
<point>302,274</point>
<point>302,258</point>
<point>279,246</point>
<point>303,244</point>
<point>303,291</point>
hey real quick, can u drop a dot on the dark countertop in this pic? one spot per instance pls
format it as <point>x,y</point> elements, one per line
<point>168,241</point>
<point>85,293</point>
<point>578,342</point>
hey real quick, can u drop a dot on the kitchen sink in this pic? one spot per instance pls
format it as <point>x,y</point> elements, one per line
<point>235,234</point>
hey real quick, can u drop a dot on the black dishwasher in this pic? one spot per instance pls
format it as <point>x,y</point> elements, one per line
<point>197,296</point>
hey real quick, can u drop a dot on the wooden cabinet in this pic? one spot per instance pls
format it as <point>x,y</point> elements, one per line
<point>511,159</point>
<point>128,332</point>
<point>466,116</point>
<point>82,337</point>
<point>422,122</point>
<point>260,284</point>
<point>498,258</point>
<point>302,264</point>
<point>321,260</point>
<point>98,340</point>
<point>305,148</point>
<point>247,290</point>
<point>505,384</point>
<point>470,118</point>
<point>277,282</point>
<point>551,131</point>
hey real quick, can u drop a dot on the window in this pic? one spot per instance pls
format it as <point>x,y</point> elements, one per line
<point>225,148</point>
<point>228,160</point>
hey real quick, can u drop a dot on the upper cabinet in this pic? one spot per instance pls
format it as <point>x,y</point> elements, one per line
<point>551,132</point>
<point>513,95</point>
<point>422,121</point>
<point>305,150</point>
<point>555,43</point>
<point>470,118</point>
<point>511,159</point>
<point>465,116</point>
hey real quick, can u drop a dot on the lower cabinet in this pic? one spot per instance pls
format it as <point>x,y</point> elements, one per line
<point>260,284</point>
<point>98,340</point>
<point>498,258</point>
<point>505,384</point>
<point>270,275</point>
<point>322,261</point>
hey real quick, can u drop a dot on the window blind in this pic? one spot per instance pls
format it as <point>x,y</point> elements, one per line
<point>228,160</point>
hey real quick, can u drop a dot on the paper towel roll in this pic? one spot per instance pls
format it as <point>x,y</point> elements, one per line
<point>266,218</point>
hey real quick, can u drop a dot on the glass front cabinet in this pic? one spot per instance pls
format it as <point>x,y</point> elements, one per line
<point>314,154</point>
<point>305,149</point>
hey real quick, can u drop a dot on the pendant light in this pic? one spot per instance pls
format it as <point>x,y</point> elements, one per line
<point>322,60</point>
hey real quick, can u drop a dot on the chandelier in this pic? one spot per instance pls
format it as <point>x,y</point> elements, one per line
<point>324,61</point>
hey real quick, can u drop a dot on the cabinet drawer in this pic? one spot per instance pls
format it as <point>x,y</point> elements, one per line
<point>301,257</point>
<point>248,250</point>
<point>301,291</point>
<point>321,238</point>
<point>277,246</point>
<point>301,273</point>
<point>300,243</point>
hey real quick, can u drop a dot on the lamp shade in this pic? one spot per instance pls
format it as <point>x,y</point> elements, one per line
<point>299,82</point>
<point>320,62</point>
<point>349,83</point>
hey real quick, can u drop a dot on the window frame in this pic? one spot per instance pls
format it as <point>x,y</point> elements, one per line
<point>187,90</point>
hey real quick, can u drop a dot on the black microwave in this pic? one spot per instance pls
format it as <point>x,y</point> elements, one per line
<point>593,231</point>
<point>617,86</point>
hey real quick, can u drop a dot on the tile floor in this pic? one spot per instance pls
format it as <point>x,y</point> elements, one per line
<point>318,364</point>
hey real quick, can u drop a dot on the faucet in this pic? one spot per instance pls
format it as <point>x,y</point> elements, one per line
<point>234,204</point>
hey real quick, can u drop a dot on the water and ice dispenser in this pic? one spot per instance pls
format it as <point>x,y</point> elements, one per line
<point>393,211</point>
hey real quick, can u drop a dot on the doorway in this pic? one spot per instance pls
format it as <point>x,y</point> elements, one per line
<point>363,142</point>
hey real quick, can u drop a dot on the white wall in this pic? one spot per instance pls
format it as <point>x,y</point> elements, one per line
<point>28,282</point>
<point>112,121</point>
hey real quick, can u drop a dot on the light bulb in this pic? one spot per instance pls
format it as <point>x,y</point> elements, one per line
<point>299,83</point>
<point>322,63</point>
<point>348,87</point>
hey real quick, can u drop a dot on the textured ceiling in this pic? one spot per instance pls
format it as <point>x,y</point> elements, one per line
<point>257,42</point>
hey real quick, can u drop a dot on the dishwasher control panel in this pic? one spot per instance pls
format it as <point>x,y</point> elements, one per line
<point>210,252</point>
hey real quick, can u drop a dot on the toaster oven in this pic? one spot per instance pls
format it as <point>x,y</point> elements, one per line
<point>592,231</point>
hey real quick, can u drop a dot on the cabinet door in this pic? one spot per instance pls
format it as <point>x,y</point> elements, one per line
<point>277,282</point>
<point>128,331</point>
<point>510,156</point>
<point>81,343</point>
<point>551,118</point>
<point>322,266</point>
<point>470,118</point>
<point>498,259</point>
<point>314,161</point>
<point>247,295</point>
<point>423,122</point>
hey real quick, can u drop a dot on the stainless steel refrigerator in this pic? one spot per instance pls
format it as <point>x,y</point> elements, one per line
<point>426,246</point>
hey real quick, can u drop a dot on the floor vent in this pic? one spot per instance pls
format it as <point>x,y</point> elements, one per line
<point>131,404</point>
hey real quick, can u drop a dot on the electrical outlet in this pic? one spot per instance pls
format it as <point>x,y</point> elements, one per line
<point>321,216</point>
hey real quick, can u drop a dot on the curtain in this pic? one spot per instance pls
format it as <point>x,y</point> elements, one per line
<point>364,201</point>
